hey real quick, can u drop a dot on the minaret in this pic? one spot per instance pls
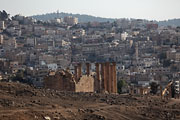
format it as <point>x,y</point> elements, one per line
<point>137,51</point>
<point>35,41</point>
<point>1,39</point>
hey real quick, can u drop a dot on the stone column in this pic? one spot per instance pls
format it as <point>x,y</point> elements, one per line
<point>105,78</point>
<point>97,71</point>
<point>79,71</point>
<point>97,77</point>
<point>112,78</point>
<point>102,77</point>
<point>115,78</point>
<point>88,69</point>
<point>75,72</point>
<point>108,81</point>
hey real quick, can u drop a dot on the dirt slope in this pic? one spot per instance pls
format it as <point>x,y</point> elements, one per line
<point>22,102</point>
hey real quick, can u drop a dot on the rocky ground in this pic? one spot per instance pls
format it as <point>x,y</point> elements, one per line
<point>23,102</point>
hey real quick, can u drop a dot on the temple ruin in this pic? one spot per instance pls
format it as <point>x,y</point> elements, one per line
<point>104,79</point>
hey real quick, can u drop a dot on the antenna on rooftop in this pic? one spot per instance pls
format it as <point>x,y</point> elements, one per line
<point>57,11</point>
<point>57,14</point>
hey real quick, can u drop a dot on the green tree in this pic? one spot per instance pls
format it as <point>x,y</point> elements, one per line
<point>18,77</point>
<point>120,85</point>
<point>174,68</point>
<point>162,56</point>
<point>4,15</point>
<point>154,87</point>
<point>166,63</point>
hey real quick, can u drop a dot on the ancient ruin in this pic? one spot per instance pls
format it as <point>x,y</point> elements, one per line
<point>103,80</point>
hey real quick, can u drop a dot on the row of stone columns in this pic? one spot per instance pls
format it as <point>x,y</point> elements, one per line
<point>109,79</point>
<point>105,80</point>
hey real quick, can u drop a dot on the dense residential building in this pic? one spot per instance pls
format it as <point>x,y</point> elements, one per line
<point>143,51</point>
<point>70,20</point>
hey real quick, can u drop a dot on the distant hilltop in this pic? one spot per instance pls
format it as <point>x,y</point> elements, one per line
<point>171,22</point>
<point>81,17</point>
<point>90,18</point>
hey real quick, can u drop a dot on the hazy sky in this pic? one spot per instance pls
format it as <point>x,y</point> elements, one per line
<point>147,9</point>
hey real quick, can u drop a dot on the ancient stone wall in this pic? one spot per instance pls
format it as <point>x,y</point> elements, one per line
<point>62,81</point>
<point>85,84</point>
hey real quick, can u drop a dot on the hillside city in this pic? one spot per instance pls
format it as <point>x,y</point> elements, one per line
<point>143,51</point>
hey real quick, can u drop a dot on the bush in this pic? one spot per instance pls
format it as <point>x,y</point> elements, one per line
<point>154,87</point>
<point>120,85</point>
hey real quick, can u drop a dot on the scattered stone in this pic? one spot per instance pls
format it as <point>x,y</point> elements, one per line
<point>47,118</point>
